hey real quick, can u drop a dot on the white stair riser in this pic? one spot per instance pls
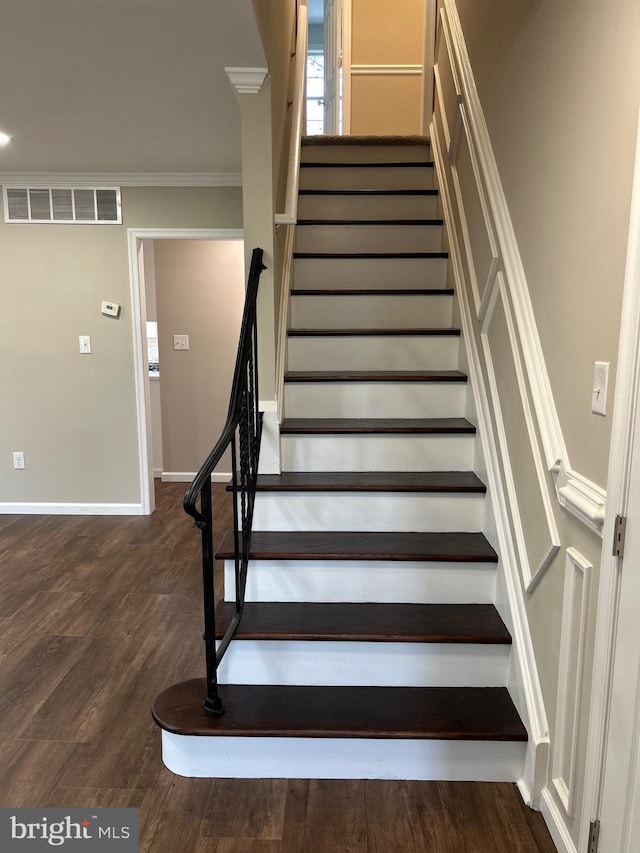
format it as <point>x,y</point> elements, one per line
<point>375,399</point>
<point>365,153</point>
<point>326,663</point>
<point>370,312</point>
<point>371,273</point>
<point>366,581</point>
<point>369,238</point>
<point>363,178</point>
<point>371,352</point>
<point>385,511</point>
<point>368,207</point>
<point>377,452</point>
<point>342,758</point>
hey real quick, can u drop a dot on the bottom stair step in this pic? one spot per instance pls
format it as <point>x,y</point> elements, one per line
<point>449,713</point>
<point>273,731</point>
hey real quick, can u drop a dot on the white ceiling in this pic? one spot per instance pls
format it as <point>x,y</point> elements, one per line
<point>123,85</point>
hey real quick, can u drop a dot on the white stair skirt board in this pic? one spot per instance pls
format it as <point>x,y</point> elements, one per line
<point>375,178</point>
<point>323,663</point>
<point>368,207</point>
<point>342,758</point>
<point>369,511</point>
<point>375,399</point>
<point>373,352</point>
<point>369,238</point>
<point>377,452</point>
<point>365,153</point>
<point>370,273</point>
<point>370,312</point>
<point>366,581</point>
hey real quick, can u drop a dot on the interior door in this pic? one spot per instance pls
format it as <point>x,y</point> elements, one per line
<point>332,64</point>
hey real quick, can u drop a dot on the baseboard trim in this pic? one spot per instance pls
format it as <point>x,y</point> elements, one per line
<point>555,824</point>
<point>188,476</point>
<point>55,508</point>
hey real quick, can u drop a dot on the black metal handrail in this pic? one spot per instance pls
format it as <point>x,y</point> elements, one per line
<point>242,433</point>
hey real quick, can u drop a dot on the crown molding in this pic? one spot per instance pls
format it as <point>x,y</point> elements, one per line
<point>247,81</point>
<point>121,179</point>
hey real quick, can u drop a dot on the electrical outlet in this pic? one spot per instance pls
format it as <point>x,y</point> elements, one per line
<point>18,459</point>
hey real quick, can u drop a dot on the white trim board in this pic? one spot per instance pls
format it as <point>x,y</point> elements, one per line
<point>62,508</point>
<point>138,321</point>
<point>525,686</point>
<point>122,179</point>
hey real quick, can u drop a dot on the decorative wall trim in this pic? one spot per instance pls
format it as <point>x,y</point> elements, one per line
<point>584,499</point>
<point>526,692</point>
<point>575,614</point>
<point>121,179</point>
<point>247,81</point>
<point>555,824</point>
<point>386,70</point>
<point>56,508</point>
<point>188,476</point>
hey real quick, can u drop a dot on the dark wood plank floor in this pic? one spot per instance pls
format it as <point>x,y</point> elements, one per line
<point>97,615</point>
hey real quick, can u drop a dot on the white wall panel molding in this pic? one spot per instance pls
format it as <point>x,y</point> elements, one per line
<point>530,573</point>
<point>575,612</point>
<point>121,179</point>
<point>584,499</point>
<point>386,70</point>
<point>524,683</point>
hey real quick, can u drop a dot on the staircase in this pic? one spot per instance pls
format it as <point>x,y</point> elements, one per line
<point>370,646</point>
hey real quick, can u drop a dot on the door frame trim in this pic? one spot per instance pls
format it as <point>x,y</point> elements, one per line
<point>135,236</point>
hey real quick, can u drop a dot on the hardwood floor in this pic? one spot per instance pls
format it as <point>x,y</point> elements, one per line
<point>97,616</point>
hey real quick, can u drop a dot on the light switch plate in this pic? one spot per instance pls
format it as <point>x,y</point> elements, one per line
<point>181,341</point>
<point>85,344</point>
<point>599,390</point>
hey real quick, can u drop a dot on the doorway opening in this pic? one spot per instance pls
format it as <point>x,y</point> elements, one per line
<point>190,284</point>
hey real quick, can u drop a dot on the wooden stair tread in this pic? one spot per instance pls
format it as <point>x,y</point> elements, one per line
<point>372,333</point>
<point>371,481</point>
<point>360,545</point>
<point>326,291</point>
<point>369,192</point>
<point>307,222</point>
<point>443,713</point>
<point>322,139</point>
<point>375,376</point>
<point>377,426</point>
<point>369,255</point>
<point>413,623</point>
<point>395,164</point>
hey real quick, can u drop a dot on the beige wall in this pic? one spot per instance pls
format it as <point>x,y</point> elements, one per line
<point>559,87</point>
<point>73,415</point>
<point>384,100</point>
<point>199,293</point>
<point>276,24</point>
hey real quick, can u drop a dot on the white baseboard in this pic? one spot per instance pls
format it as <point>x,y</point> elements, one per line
<point>188,476</point>
<point>555,824</point>
<point>54,508</point>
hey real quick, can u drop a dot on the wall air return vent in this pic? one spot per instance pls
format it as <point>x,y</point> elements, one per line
<point>86,206</point>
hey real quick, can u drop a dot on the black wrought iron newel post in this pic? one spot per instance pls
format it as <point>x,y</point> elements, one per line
<point>242,434</point>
